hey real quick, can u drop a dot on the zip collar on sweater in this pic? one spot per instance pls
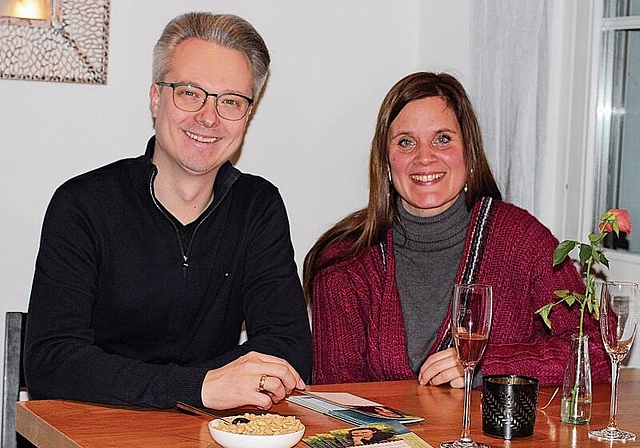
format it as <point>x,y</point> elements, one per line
<point>143,175</point>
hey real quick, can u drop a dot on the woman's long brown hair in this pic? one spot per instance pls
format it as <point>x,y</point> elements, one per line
<point>368,226</point>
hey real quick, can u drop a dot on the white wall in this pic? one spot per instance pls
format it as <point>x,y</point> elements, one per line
<point>333,61</point>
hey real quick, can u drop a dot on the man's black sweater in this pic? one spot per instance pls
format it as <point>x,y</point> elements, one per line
<point>122,313</point>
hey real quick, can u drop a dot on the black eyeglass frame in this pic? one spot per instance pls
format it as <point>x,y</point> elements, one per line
<point>173,86</point>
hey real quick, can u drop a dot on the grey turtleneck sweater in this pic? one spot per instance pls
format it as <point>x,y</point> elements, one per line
<point>427,253</point>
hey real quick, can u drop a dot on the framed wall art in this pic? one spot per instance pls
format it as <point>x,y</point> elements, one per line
<point>54,40</point>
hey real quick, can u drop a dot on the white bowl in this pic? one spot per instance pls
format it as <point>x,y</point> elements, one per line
<point>231,440</point>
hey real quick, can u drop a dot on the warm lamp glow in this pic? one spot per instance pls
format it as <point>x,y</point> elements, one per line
<point>27,9</point>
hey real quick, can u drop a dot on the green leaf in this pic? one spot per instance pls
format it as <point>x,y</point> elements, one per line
<point>562,251</point>
<point>561,293</point>
<point>570,300</point>
<point>590,306</point>
<point>604,260</point>
<point>544,313</point>
<point>595,238</point>
<point>547,308</point>
<point>585,252</point>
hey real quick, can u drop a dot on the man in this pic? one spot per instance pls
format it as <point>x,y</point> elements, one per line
<point>149,267</point>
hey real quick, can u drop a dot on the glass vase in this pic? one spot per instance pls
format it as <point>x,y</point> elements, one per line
<point>576,390</point>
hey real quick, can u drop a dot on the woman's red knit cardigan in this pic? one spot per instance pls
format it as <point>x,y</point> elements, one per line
<point>358,327</point>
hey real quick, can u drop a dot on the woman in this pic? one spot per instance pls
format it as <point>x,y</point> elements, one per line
<point>380,279</point>
<point>367,436</point>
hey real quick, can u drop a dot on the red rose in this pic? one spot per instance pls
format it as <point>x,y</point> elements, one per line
<point>616,215</point>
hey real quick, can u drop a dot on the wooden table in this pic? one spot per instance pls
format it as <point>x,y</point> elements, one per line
<point>67,424</point>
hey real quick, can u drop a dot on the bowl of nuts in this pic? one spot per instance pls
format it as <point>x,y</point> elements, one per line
<point>260,431</point>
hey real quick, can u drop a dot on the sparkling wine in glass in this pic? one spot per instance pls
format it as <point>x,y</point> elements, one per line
<point>470,325</point>
<point>619,312</point>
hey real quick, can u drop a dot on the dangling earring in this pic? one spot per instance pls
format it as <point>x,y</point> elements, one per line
<point>389,175</point>
<point>465,187</point>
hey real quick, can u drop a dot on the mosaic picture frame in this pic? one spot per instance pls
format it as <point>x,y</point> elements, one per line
<point>70,47</point>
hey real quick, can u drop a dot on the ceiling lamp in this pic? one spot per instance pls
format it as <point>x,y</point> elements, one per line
<point>26,9</point>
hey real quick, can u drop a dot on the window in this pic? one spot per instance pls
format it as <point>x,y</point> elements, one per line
<point>618,116</point>
<point>621,8</point>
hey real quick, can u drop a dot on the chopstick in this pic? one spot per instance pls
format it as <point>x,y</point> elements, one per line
<point>206,412</point>
<point>203,412</point>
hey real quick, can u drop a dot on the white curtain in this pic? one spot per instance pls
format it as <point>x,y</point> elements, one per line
<point>510,79</point>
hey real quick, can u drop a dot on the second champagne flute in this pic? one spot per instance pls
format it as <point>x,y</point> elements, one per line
<point>619,314</point>
<point>470,325</point>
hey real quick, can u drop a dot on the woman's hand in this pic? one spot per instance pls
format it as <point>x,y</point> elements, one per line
<point>441,368</point>
<point>253,379</point>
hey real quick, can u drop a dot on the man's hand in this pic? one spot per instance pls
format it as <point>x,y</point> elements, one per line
<point>238,383</point>
<point>441,368</point>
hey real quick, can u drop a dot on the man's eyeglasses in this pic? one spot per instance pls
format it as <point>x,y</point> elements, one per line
<point>190,98</point>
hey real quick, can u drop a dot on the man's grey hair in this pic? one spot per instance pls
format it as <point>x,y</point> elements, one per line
<point>223,29</point>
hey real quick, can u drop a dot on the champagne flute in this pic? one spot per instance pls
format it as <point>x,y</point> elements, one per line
<point>470,325</point>
<point>619,311</point>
